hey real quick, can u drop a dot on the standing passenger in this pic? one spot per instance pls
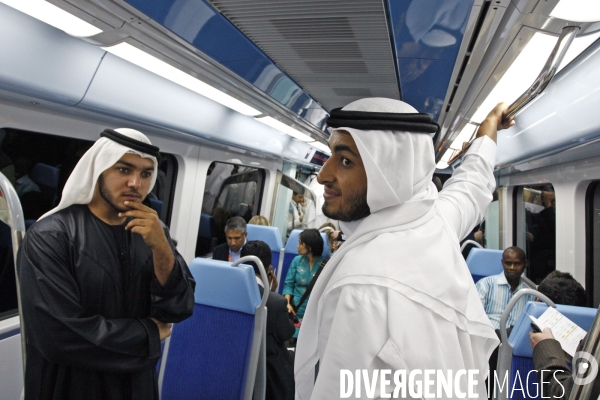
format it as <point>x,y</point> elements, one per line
<point>101,280</point>
<point>296,213</point>
<point>397,295</point>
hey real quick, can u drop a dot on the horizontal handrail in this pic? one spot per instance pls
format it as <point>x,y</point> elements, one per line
<point>560,49</point>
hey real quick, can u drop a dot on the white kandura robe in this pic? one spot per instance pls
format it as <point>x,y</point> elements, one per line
<point>397,294</point>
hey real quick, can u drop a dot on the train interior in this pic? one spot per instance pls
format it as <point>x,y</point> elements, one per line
<point>236,95</point>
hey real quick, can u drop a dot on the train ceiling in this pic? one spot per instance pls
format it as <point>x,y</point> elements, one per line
<point>292,62</point>
<point>308,53</point>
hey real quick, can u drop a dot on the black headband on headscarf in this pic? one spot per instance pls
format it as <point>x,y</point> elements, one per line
<point>378,121</point>
<point>130,142</point>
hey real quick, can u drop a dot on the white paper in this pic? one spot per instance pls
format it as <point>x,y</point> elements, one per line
<point>568,333</point>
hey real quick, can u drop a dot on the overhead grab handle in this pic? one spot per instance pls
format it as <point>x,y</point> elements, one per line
<point>548,72</point>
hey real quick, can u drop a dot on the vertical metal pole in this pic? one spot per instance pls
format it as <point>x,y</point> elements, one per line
<point>16,222</point>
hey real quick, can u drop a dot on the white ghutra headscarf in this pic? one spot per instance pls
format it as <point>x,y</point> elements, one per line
<point>105,152</point>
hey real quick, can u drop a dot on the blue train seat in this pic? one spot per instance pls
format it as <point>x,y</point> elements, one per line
<point>206,233</point>
<point>271,236</point>
<point>517,360</point>
<point>156,205</point>
<point>484,262</point>
<point>291,250</point>
<point>46,177</point>
<point>216,353</point>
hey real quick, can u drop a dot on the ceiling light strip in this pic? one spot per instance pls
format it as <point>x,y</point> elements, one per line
<point>167,71</point>
<point>280,126</point>
<point>52,15</point>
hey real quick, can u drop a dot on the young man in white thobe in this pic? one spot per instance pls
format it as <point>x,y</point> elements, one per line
<point>397,295</point>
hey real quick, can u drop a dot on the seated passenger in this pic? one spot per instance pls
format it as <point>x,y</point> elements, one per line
<point>280,362</point>
<point>562,288</point>
<point>259,220</point>
<point>235,234</point>
<point>548,355</point>
<point>303,270</point>
<point>496,291</point>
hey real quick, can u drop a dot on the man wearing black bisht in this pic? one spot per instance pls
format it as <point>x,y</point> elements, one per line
<point>101,280</point>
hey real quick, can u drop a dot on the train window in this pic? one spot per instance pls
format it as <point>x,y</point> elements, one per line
<point>38,166</point>
<point>535,228</point>
<point>491,225</point>
<point>592,273</point>
<point>230,191</point>
<point>292,200</point>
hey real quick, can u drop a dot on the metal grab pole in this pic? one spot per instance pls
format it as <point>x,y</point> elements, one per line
<point>16,222</point>
<point>503,364</point>
<point>548,72</point>
<point>591,345</point>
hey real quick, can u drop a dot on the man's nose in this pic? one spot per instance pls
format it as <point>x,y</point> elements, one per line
<point>135,181</point>
<point>325,175</point>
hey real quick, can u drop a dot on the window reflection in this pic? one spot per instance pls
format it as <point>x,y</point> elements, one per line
<point>231,190</point>
<point>539,203</point>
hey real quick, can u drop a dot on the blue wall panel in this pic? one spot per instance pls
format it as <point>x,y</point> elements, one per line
<point>427,35</point>
<point>210,32</point>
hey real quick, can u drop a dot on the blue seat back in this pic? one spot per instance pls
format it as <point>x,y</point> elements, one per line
<point>326,247</point>
<point>156,205</point>
<point>207,235</point>
<point>208,354</point>
<point>208,227</point>
<point>522,360</point>
<point>271,236</point>
<point>484,262</point>
<point>46,177</point>
<point>290,251</point>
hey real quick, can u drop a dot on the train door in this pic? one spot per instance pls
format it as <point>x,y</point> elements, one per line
<point>592,273</point>
<point>12,230</point>
<point>283,215</point>
<point>535,228</point>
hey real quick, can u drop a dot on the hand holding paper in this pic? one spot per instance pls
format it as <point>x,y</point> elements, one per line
<point>564,330</point>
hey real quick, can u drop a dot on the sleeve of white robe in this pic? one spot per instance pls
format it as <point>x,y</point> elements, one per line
<point>376,328</point>
<point>467,194</point>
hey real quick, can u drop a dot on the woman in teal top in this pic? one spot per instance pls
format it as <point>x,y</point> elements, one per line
<point>303,269</point>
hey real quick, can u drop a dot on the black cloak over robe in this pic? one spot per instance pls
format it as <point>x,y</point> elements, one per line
<point>88,291</point>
